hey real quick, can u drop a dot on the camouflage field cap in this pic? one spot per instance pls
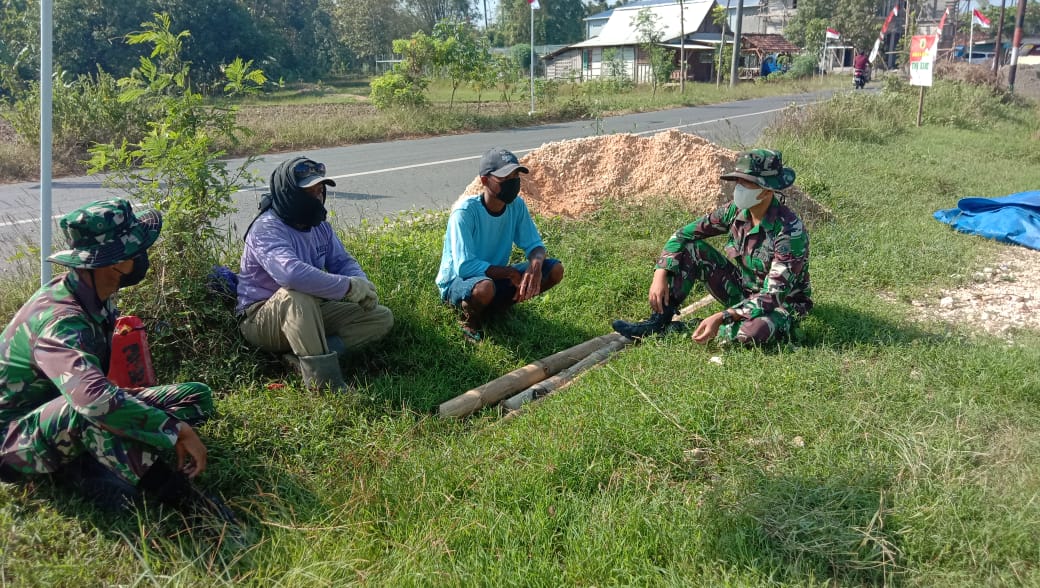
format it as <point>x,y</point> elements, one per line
<point>764,167</point>
<point>105,233</point>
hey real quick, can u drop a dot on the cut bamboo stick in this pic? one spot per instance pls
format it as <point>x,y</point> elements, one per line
<point>548,385</point>
<point>697,305</point>
<point>494,391</point>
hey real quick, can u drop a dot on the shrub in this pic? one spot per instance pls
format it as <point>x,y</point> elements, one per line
<point>85,111</point>
<point>396,88</point>
<point>802,66</point>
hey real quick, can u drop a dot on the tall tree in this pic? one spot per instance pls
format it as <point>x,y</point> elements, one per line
<point>558,22</point>
<point>430,12</point>
<point>367,28</point>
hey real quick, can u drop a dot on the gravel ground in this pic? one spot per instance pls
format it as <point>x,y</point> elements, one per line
<point>1003,298</point>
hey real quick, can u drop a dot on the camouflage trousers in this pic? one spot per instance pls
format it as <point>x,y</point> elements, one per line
<point>54,434</point>
<point>699,262</point>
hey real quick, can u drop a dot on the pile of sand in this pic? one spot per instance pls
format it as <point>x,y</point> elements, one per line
<point>572,178</point>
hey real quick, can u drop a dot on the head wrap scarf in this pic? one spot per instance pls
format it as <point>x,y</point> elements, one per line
<point>294,206</point>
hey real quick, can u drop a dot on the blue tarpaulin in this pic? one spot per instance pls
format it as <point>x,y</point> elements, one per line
<point>1011,219</point>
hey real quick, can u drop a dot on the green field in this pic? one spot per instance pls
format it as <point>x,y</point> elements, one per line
<point>875,449</point>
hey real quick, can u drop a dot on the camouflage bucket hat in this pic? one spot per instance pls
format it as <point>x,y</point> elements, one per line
<point>764,167</point>
<point>105,233</point>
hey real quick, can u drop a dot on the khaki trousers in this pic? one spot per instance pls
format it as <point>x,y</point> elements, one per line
<point>291,321</point>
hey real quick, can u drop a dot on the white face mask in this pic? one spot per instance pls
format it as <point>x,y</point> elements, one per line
<point>745,198</point>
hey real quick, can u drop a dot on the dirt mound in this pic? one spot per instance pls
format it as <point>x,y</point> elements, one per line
<point>572,178</point>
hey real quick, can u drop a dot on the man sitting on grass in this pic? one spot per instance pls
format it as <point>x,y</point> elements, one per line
<point>60,414</point>
<point>765,287</point>
<point>475,275</point>
<point>299,292</point>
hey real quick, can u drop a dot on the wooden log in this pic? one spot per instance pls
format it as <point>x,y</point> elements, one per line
<point>548,385</point>
<point>494,391</point>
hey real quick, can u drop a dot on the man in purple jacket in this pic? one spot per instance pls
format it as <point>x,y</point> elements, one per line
<point>299,292</point>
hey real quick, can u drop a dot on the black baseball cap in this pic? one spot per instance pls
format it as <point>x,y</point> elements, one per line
<point>500,163</point>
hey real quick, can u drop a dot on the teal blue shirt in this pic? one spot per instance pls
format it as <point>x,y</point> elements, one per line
<point>476,239</point>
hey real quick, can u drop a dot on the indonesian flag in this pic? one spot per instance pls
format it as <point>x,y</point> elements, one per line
<point>833,34</point>
<point>534,4</point>
<point>979,18</point>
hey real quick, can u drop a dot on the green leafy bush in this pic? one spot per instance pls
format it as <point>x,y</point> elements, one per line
<point>85,111</point>
<point>396,88</point>
<point>802,66</point>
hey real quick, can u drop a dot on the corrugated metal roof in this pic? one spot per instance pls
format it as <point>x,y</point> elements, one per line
<point>621,29</point>
<point>643,3</point>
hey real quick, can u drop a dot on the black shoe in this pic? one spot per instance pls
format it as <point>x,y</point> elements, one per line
<point>175,489</point>
<point>657,323</point>
<point>99,485</point>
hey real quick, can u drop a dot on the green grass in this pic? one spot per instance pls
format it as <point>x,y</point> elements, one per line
<point>877,449</point>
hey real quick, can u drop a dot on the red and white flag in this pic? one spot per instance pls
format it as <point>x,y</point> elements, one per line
<point>534,4</point>
<point>833,34</point>
<point>979,18</point>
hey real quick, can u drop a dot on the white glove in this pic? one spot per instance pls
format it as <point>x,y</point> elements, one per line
<point>363,293</point>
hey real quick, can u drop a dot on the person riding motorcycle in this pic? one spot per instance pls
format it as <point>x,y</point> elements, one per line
<point>860,69</point>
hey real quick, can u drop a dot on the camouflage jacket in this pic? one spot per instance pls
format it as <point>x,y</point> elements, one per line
<point>773,257</point>
<point>59,343</point>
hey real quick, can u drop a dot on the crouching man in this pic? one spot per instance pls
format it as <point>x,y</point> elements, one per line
<point>59,413</point>
<point>299,292</point>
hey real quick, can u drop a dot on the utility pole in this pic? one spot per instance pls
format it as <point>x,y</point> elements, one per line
<point>736,45</point>
<point>722,45</point>
<point>1020,21</point>
<point>682,48</point>
<point>998,49</point>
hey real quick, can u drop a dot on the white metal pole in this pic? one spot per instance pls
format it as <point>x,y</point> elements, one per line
<point>971,37</point>
<point>532,61</point>
<point>46,99</point>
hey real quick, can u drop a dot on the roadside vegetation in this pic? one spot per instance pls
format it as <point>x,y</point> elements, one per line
<point>340,113</point>
<point>873,449</point>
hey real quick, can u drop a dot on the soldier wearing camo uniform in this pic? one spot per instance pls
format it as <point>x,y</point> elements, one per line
<point>763,277</point>
<point>57,407</point>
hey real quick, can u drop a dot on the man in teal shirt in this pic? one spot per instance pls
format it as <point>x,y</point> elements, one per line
<point>475,274</point>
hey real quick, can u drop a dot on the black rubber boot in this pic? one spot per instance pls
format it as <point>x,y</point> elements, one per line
<point>657,323</point>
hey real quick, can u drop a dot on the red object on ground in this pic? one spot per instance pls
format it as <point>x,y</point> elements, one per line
<point>131,365</point>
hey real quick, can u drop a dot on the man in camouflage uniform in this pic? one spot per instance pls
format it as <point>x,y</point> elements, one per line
<point>765,288</point>
<point>57,407</point>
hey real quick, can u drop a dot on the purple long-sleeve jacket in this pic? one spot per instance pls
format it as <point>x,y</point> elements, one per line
<point>279,256</point>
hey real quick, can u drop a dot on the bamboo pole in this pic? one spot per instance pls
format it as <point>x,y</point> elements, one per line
<point>494,391</point>
<point>550,385</point>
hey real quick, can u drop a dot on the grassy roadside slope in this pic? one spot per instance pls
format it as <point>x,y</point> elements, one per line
<point>875,449</point>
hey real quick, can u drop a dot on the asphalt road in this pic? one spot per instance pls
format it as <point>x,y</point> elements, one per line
<point>378,180</point>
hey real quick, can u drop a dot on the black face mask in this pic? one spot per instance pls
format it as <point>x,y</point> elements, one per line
<point>134,276</point>
<point>509,190</point>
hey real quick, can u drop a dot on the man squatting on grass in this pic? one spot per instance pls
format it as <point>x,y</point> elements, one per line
<point>765,287</point>
<point>299,291</point>
<point>475,274</point>
<point>59,413</point>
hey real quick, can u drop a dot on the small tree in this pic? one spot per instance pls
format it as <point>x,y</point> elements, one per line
<point>457,53</point>
<point>406,83</point>
<point>661,65</point>
<point>614,65</point>
<point>508,73</point>
<point>178,168</point>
